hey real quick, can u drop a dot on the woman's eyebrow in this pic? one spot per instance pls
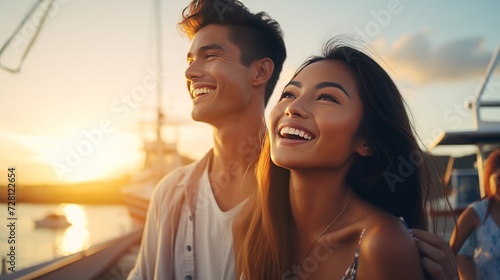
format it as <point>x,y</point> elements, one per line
<point>321,85</point>
<point>332,84</point>
<point>294,83</point>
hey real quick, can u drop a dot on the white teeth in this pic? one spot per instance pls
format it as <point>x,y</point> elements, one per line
<point>199,91</point>
<point>294,131</point>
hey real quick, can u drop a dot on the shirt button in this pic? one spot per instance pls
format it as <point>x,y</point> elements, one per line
<point>188,277</point>
<point>190,218</point>
<point>189,248</point>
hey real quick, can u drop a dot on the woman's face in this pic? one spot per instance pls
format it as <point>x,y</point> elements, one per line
<point>494,181</point>
<point>314,125</point>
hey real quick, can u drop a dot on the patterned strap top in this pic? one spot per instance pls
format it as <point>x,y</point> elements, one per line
<point>350,273</point>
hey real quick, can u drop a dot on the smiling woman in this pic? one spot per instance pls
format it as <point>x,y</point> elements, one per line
<point>333,113</point>
<point>323,203</point>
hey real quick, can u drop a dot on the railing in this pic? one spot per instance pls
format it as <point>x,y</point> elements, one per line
<point>87,264</point>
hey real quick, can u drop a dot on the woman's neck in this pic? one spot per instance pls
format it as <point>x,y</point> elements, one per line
<point>316,199</point>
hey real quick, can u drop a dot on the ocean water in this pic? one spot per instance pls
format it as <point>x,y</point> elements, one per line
<point>91,224</point>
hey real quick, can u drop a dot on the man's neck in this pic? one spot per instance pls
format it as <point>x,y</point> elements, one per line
<point>231,170</point>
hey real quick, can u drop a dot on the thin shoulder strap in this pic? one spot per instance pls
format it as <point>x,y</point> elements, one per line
<point>350,273</point>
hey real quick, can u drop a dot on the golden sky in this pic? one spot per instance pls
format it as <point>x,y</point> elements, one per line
<point>78,110</point>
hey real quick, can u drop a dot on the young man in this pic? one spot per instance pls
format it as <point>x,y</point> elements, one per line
<point>234,63</point>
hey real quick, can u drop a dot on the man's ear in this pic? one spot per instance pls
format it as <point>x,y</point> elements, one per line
<point>263,70</point>
<point>364,149</point>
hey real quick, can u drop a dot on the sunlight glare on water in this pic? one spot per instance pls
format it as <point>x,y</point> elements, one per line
<point>76,237</point>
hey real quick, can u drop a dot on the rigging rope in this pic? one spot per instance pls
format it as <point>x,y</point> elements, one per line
<point>33,39</point>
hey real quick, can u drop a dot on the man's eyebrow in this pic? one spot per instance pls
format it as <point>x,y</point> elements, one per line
<point>207,48</point>
<point>332,84</point>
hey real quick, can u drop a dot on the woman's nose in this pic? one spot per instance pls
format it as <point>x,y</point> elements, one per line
<point>297,108</point>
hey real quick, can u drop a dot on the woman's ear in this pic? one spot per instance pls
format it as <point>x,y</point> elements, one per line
<point>364,149</point>
<point>263,71</point>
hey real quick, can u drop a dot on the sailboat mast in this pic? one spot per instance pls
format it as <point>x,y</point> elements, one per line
<point>159,166</point>
<point>159,65</point>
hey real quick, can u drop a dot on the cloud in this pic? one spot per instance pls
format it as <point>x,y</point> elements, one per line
<point>413,58</point>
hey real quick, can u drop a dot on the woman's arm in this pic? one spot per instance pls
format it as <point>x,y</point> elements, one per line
<point>466,267</point>
<point>466,224</point>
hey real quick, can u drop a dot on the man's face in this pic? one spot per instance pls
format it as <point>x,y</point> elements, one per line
<point>218,83</point>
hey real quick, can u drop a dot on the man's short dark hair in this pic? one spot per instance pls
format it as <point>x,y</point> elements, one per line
<point>256,35</point>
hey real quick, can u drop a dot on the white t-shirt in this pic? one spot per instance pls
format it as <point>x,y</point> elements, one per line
<point>213,237</point>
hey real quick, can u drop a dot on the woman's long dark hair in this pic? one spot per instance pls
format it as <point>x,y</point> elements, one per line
<point>394,178</point>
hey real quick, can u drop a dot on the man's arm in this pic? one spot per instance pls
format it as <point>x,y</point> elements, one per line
<point>144,267</point>
<point>437,259</point>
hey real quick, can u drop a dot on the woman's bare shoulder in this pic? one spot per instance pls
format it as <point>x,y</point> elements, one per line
<point>381,228</point>
<point>388,250</point>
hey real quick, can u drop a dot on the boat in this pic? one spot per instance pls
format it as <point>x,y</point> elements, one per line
<point>161,155</point>
<point>160,159</point>
<point>53,220</point>
<point>467,184</point>
<point>103,261</point>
